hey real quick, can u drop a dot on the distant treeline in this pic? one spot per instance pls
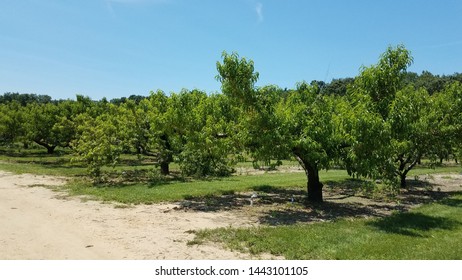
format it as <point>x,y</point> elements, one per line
<point>338,86</point>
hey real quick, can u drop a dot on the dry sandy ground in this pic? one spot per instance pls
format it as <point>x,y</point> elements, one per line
<point>36,224</point>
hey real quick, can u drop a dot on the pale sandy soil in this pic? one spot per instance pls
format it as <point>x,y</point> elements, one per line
<point>37,223</point>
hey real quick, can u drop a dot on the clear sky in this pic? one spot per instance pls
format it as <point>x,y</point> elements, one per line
<point>115,48</point>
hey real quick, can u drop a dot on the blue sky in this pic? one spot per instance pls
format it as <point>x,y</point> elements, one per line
<point>115,48</point>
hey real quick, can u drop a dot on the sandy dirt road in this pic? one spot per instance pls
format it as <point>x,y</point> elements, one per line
<point>36,223</point>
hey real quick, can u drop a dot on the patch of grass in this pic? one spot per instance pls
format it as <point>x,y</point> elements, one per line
<point>431,231</point>
<point>42,169</point>
<point>423,170</point>
<point>137,193</point>
<point>176,190</point>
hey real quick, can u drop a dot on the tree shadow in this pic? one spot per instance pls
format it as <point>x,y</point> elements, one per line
<point>325,211</point>
<point>452,201</point>
<point>225,201</point>
<point>344,189</point>
<point>422,192</point>
<point>413,224</point>
<point>281,206</point>
<point>21,153</point>
<point>264,195</point>
<point>273,195</point>
<point>287,206</point>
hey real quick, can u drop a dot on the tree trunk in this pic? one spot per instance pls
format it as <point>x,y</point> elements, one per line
<point>164,168</point>
<point>50,149</point>
<point>314,186</point>
<point>403,170</point>
<point>402,177</point>
<point>165,155</point>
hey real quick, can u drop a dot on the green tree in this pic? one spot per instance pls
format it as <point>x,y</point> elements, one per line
<point>409,138</point>
<point>11,122</point>
<point>304,123</point>
<point>40,122</point>
<point>446,120</point>
<point>161,130</point>
<point>207,132</point>
<point>101,140</point>
<point>393,130</point>
<point>314,132</point>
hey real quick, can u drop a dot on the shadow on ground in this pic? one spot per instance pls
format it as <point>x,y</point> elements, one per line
<point>413,224</point>
<point>281,206</point>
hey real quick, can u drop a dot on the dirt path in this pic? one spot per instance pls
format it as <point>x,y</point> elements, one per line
<point>35,224</point>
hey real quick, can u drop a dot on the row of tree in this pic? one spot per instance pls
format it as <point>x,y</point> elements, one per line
<point>378,125</point>
<point>380,128</point>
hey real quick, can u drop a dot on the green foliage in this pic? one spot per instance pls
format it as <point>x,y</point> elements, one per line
<point>11,123</point>
<point>262,130</point>
<point>24,98</point>
<point>207,134</point>
<point>394,126</point>
<point>190,128</point>
<point>101,142</point>
<point>302,122</point>
<point>382,81</point>
<point>40,125</point>
<point>237,77</point>
<point>314,125</point>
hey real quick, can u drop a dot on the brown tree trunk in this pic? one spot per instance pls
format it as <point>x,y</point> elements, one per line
<point>403,170</point>
<point>50,148</point>
<point>165,155</point>
<point>164,168</point>
<point>403,180</point>
<point>314,186</point>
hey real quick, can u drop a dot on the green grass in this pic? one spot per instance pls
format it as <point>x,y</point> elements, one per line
<point>178,190</point>
<point>431,231</point>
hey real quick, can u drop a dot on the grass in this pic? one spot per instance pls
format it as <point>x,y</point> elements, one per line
<point>432,231</point>
<point>178,190</point>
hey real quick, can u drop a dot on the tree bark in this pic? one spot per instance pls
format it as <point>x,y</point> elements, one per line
<point>50,148</point>
<point>314,186</point>
<point>403,170</point>
<point>165,155</point>
<point>402,183</point>
<point>164,168</point>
